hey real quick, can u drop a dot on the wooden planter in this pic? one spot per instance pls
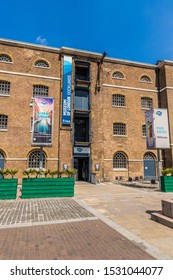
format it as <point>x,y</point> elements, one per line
<point>8,188</point>
<point>166,183</point>
<point>47,187</point>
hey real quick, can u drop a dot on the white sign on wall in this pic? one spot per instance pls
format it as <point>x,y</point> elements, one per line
<point>81,150</point>
<point>157,129</point>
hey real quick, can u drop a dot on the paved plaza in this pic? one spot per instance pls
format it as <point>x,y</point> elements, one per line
<point>103,221</point>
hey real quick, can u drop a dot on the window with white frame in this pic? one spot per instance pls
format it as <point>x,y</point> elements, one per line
<point>120,161</point>
<point>42,63</point>
<point>3,122</point>
<point>146,103</point>
<point>144,132</point>
<point>118,75</point>
<point>118,100</point>
<point>4,88</point>
<point>40,91</point>
<point>5,58</point>
<point>145,79</point>
<point>34,159</point>
<point>119,129</point>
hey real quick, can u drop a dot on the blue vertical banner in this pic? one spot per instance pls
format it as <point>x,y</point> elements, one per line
<point>67,90</point>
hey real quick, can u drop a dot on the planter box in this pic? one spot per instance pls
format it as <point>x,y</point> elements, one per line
<point>166,183</point>
<point>47,187</point>
<point>8,188</point>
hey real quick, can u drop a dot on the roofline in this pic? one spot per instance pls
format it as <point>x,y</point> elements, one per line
<point>28,45</point>
<point>73,51</point>
<point>130,62</point>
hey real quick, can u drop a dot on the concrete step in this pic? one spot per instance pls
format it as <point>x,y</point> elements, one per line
<point>167,207</point>
<point>164,220</point>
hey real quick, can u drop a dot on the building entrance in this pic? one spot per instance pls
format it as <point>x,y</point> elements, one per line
<point>82,167</point>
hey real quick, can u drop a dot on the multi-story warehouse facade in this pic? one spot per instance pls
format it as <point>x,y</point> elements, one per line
<point>106,134</point>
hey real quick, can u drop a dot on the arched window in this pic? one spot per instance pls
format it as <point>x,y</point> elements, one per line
<point>40,90</point>
<point>118,100</point>
<point>119,128</point>
<point>2,155</point>
<point>42,63</point>
<point>145,79</point>
<point>118,75</point>
<point>3,122</point>
<point>5,58</point>
<point>34,159</point>
<point>120,161</point>
<point>146,103</point>
<point>149,156</point>
<point>4,88</point>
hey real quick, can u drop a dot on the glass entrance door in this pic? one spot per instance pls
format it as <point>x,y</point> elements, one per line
<point>82,167</point>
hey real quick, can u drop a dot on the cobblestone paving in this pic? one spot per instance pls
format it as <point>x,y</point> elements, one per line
<point>34,211</point>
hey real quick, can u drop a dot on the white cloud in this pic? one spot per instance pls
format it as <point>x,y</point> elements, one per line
<point>40,40</point>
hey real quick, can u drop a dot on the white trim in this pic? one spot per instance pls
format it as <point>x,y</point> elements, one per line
<point>5,95</point>
<point>165,88</point>
<point>135,160</point>
<point>18,159</point>
<point>107,159</point>
<point>120,169</point>
<point>29,75</point>
<point>130,88</point>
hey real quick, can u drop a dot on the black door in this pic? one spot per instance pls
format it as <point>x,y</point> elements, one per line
<point>82,167</point>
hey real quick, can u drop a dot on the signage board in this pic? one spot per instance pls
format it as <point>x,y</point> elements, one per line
<point>157,129</point>
<point>43,110</point>
<point>67,90</point>
<point>81,150</point>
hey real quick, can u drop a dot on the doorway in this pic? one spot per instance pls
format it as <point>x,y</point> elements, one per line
<point>2,161</point>
<point>149,166</point>
<point>82,167</point>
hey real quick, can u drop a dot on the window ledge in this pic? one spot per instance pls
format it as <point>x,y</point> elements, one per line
<point>116,106</point>
<point>116,135</point>
<point>5,95</point>
<point>3,130</point>
<point>40,67</point>
<point>120,169</point>
<point>118,78</point>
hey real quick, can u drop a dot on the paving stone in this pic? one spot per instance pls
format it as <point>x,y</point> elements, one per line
<point>33,211</point>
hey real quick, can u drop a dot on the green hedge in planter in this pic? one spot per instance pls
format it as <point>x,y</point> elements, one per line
<point>166,183</point>
<point>47,187</point>
<point>8,188</point>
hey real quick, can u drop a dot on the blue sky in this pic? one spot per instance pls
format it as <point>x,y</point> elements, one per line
<point>138,30</point>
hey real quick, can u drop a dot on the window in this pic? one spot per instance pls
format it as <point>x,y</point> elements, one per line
<point>5,58</point>
<point>3,121</point>
<point>2,156</point>
<point>39,90</point>
<point>118,100</point>
<point>34,159</point>
<point>119,129</point>
<point>118,75</point>
<point>120,161</point>
<point>146,103</point>
<point>149,156</point>
<point>42,63</point>
<point>144,132</point>
<point>82,72</point>
<point>145,79</point>
<point>4,88</point>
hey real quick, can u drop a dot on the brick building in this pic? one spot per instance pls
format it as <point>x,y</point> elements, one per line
<point>106,134</point>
